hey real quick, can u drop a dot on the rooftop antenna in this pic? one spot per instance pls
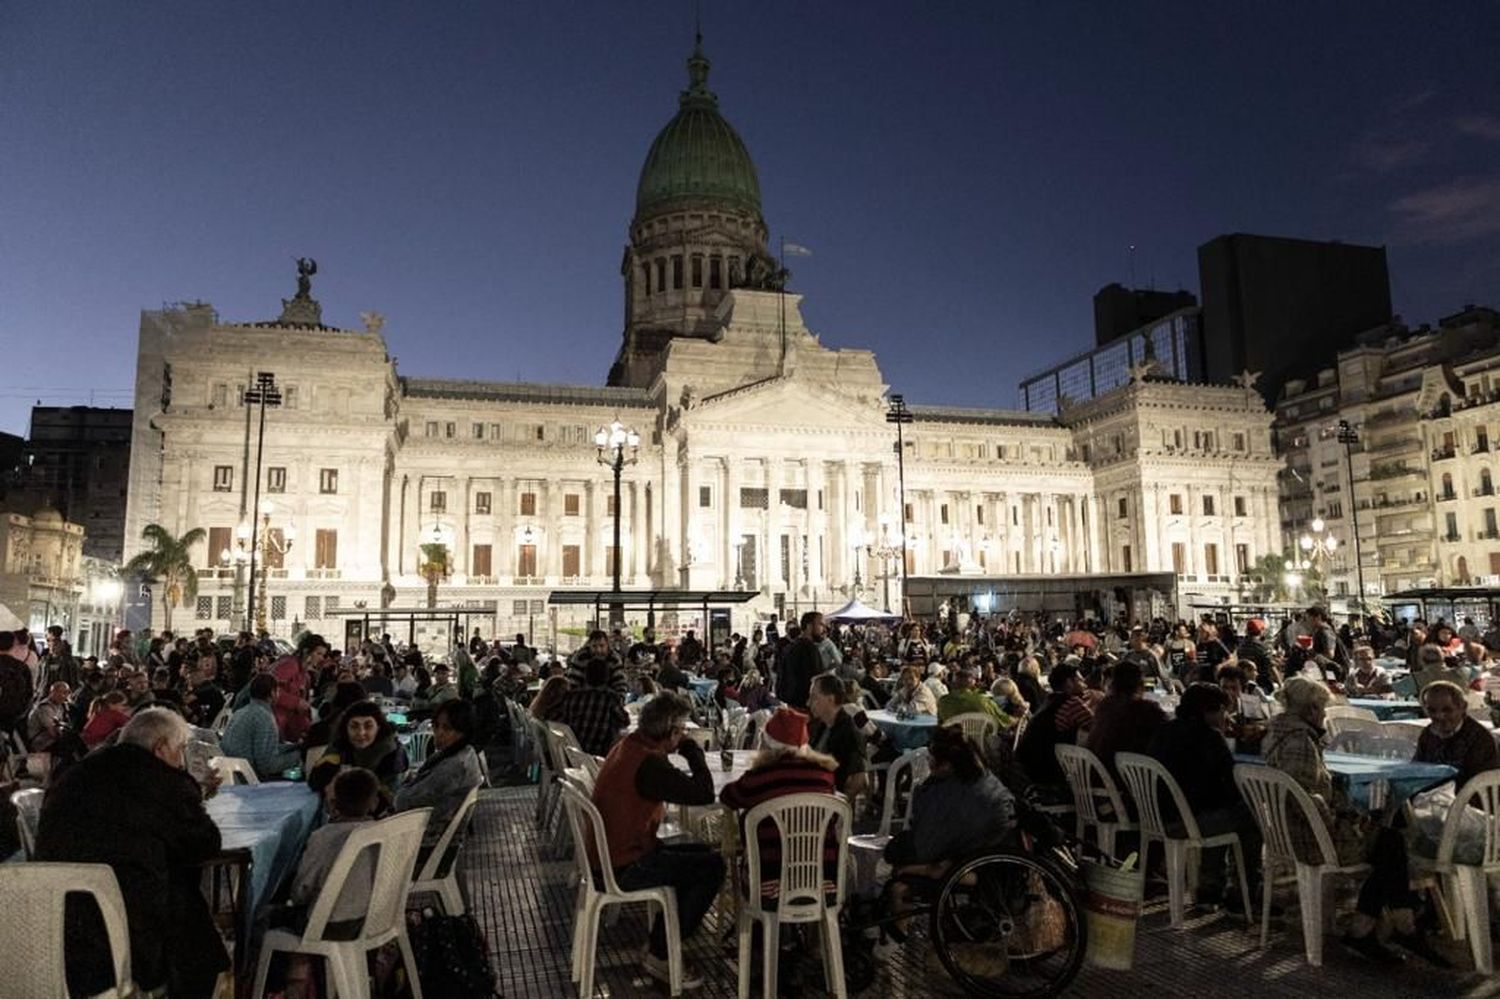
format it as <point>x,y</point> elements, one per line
<point>698,22</point>
<point>1131,257</point>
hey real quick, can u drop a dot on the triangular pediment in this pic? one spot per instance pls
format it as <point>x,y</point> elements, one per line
<point>786,401</point>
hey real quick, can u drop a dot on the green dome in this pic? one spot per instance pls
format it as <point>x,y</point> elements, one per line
<point>698,156</point>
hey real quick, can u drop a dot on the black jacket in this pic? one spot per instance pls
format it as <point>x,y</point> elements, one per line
<point>1199,760</point>
<point>124,807</point>
<point>802,663</point>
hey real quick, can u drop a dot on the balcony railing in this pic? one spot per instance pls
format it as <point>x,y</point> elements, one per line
<point>1485,491</point>
<point>1393,472</point>
<point>324,573</point>
<point>1443,454</point>
<point>1447,496</point>
<point>1450,538</point>
<point>1487,535</point>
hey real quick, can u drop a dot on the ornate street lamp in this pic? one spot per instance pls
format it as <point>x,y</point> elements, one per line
<point>886,547</point>
<point>268,544</point>
<point>858,541</point>
<point>1317,546</point>
<point>239,556</point>
<point>613,442</point>
<point>265,394</point>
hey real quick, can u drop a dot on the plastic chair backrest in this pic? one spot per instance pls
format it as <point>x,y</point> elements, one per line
<point>579,778</point>
<point>581,760</point>
<point>232,767</point>
<point>1339,724</point>
<point>919,763</point>
<point>590,844</point>
<point>28,805</point>
<point>1484,787</point>
<point>541,740</point>
<point>221,722</point>
<point>976,725</point>
<point>1376,745</point>
<point>562,738</point>
<point>432,868</point>
<point>1020,726</point>
<point>1271,795</point>
<point>1142,775</point>
<point>802,824</point>
<point>1348,711</point>
<point>397,839</point>
<point>1087,777</point>
<point>420,743</point>
<point>31,935</point>
<point>758,721</point>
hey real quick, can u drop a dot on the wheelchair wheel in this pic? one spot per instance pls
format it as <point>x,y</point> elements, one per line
<point>1008,925</point>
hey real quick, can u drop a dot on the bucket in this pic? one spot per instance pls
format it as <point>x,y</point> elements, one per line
<point>1112,906</point>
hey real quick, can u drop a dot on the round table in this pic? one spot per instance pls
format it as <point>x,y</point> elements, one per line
<point>904,733</point>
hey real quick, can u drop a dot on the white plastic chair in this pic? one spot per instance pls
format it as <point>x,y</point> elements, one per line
<point>397,839</point>
<point>1348,711</point>
<point>582,760</point>
<point>232,767</point>
<point>757,729</point>
<point>1274,797</point>
<point>1376,745</point>
<point>28,805</point>
<point>417,748</point>
<point>1090,781</point>
<point>591,852</point>
<point>438,877</point>
<point>1467,884</point>
<point>802,824</point>
<point>221,721</point>
<point>1143,775</point>
<point>977,725</point>
<point>31,934</point>
<point>917,763</point>
<point>1339,724</point>
<point>548,768</point>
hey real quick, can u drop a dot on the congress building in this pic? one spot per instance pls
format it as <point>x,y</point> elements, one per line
<point>766,463</point>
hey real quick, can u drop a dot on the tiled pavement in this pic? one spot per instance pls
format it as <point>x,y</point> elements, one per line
<point>524,903</point>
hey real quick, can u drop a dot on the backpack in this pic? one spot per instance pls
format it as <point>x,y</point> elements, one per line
<point>452,956</point>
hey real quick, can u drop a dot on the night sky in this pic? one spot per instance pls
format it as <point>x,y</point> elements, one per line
<point>967,175</point>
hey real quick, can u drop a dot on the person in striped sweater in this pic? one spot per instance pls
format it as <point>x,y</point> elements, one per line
<point>785,765</point>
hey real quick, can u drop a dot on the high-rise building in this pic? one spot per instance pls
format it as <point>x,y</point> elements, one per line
<point>78,460</point>
<point>1286,307</point>
<point>1119,310</point>
<point>1171,346</point>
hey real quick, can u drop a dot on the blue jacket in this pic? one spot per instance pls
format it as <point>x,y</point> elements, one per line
<point>253,735</point>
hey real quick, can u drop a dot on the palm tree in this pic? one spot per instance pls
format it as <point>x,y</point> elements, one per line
<point>1269,583</point>
<point>170,560</point>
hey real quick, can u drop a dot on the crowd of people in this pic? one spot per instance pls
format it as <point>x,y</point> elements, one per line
<point>111,740</point>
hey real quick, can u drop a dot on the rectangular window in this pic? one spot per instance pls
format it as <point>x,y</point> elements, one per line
<point>495,434</point>
<point>526,560</point>
<point>288,397</point>
<point>906,512</point>
<point>223,478</point>
<point>1208,505</point>
<point>979,514</point>
<point>1174,503</point>
<point>610,554</point>
<point>326,549</point>
<point>820,499</point>
<point>571,561</point>
<point>794,498</point>
<point>482,503</point>
<point>276,479</point>
<point>437,501</point>
<point>223,607</point>
<point>328,481</point>
<point>1239,442</point>
<point>676,272</point>
<point>754,499</point>
<point>661,274</point>
<point>480,564</point>
<point>204,610</point>
<point>1125,563</point>
<point>220,396</point>
<point>219,541</point>
<point>278,608</point>
<point>312,609</point>
<point>528,504</point>
<point>432,428</point>
<point>1124,508</point>
<point>1242,558</point>
<point>705,496</point>
<point>1179,557</point>
<point>786,559</point>
<point>479,431</point>
<point>519,607</point>
<point>697,272</point>
<point>450,430</point>
<point>1239,506</point>
<point>571,505</point>
<point>1450,521</point>
<point>943,513</point>
<point>1211,559</point>
<point>715,272</point>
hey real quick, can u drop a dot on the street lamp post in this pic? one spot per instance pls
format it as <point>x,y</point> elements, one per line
<point>898,414</point>
<point>267,545</point>
<point>886,547</point>
<point>612,442</point>
<point>239,557</point>
<point>1318,547</point>
<point>265,394</point>
<point>857,541</point>
<point>1349,437</point>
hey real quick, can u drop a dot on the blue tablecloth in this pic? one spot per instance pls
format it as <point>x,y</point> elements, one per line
<point>272,821</point>
<point>704,686</point>
<point>904,733</point>
<point>1388,710</point>
<point>1355,774</point>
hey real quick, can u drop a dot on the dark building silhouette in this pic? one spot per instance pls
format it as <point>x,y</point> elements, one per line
<point>78,460</point>
<point>1119,310</point>
<point>1286,307</point>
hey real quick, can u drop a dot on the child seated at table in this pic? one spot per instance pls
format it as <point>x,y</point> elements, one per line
<point>352,800</point>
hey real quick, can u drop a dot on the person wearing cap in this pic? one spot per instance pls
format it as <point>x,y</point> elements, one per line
<point>965,697</point>
<point>1062,718</point>
<point>1252,648</point>
<point>785,765</point>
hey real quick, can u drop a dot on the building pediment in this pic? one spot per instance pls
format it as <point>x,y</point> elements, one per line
<point>791,402</point>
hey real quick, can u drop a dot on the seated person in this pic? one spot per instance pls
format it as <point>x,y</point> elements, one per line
<point>352,800</point>
<point>912,696</point>
<point>1366,679</point>
<point>362,737</point>
<point>1007,695</point>
<point>442,690</point>
<point>633,787</point>
<point>547,704</point>
<point>1432,666</point>
<point>964,697</point>
<point>252,733</point>
<point>448,774</point>
<point>784,765</point>
<point>1248,712</point>
<point>1125,720</point>
<point>960,809</point>
<point>834,733</point>
<point>344,693</point>
<point>1192,748</point>
<point>1453,737</point>
<point>594,711</point>
<point>1064,716</point>
<point>754,695</point>
<point>107,715</point>
<point>1294,745</point>
<point>134,807</point>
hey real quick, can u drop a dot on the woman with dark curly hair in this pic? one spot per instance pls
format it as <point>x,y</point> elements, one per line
<point>362,737</point>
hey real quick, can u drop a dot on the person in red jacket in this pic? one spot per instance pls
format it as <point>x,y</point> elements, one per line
<point>635,783</point>
<point>290,704</point>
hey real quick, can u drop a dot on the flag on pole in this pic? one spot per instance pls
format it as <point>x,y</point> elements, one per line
<point>795,250</point>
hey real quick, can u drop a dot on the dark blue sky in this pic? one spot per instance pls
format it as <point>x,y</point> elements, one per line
<point>966,174</point>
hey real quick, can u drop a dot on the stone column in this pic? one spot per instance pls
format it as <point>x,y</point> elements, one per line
<point>815,521</point>
<point>730,525</point>
<point>774,568</point>
<point>839,554</point>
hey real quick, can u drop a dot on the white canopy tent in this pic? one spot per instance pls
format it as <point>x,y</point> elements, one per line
<point>855,612</point>
<point>9,620</point>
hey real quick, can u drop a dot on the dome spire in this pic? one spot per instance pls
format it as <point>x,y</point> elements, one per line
<point>697,94</point>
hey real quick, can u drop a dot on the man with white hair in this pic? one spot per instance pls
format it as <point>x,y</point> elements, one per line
<point>134,807</point>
